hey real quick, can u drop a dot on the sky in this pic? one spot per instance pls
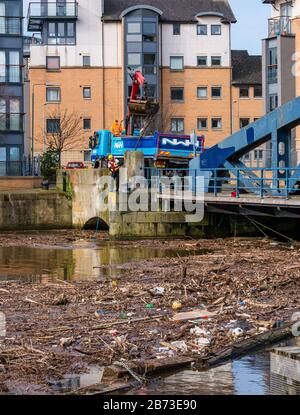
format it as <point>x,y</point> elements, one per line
<point>251,24</point>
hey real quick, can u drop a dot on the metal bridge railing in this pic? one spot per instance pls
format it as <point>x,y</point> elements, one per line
<point>238,182</point>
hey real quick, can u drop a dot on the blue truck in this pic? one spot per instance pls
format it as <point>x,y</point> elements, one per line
<point>160,148</point>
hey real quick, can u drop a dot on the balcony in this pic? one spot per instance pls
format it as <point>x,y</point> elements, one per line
<point>280,26</point>
<point>35,39</point>
<point>10,25</point>
<point>38,13</point>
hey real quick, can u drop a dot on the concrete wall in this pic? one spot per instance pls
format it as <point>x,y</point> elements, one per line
<point>35,210</point>
<point>83,188</point>
<point>190,45</point>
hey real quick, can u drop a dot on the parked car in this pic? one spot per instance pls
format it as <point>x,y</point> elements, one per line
<point>75,165</point>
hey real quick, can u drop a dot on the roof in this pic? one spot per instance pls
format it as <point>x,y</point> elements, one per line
<point>246,69</point>
<point>172,10</point>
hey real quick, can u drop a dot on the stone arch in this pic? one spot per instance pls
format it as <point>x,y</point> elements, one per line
<point>96,223</point>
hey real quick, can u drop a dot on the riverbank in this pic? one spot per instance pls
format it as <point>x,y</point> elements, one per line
<point>239,288</point>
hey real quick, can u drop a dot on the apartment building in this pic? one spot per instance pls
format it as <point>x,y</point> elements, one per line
<point>281,54</point>
<point>247,99</point>
<point>81,64</point>
<point>11,87</point>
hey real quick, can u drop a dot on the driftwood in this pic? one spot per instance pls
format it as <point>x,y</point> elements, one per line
<point>245,346</point>
<point>129,321</point>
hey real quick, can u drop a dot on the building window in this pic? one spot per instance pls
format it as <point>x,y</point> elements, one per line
<point>177,125</point>
<point>61,33</point>
<point>134,59</point>
<point>53,63</point>
<point>150,59</point>
<point>141,49</point>
<point>176,63</point>
<point>10,20</point>
<point>202,123</point>
<point>87,124</point>
<point>201,60</point>
<point>149,28</point>
<point>176,29</point>
<point>10,69</point>
<point>273,102</point>
<point>216,123</point>
<point>53,94</point>
<point>216,92</point>
<point>151,91</point>
<point>244,122</point>
<point>201,29</point>
<point>87,92</point>
<point>177,94</point>
<point>216,29</point>
<point>86,61</point>
<point>133,27</point>
<point>272,66</point>
<point>202,92</point>
<point>258,154</point>
<point>53,126</point>
<point>216,61</point>
<point>244,92</point>
<point>10,114</point>
<point>257,91</point>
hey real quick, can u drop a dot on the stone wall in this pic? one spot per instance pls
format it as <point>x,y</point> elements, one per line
<point>35,210</point>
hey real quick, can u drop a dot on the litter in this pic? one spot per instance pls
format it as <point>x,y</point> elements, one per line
<point>199,332</point>
<point>237,332</point>
<point>202,341</point>
<point>180,345</point>
<point>193,315</point>
<point>176,305</point>
<point>66,341</point>
<point>296,316</point>
<point>157,291</point>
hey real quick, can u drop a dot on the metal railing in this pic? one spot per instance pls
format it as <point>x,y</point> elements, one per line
<point>10,25</point>
<point>280,26</point>
<point>24,167</point>
<point>56,9</point>
<point>231,182</point>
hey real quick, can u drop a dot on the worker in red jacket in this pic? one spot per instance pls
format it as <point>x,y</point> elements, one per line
<point>114,167</point>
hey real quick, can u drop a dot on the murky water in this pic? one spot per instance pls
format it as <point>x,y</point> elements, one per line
<point>250,375</point>
<point>85,260</point>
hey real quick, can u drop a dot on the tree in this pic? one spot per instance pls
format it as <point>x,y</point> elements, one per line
<point>64,131</point>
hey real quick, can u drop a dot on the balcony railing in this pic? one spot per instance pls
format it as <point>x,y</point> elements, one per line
<point>38,12</point>
<point>10,25</point>
<point>280,26</point>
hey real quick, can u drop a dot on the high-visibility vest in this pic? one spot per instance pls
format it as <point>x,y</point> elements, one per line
<point>113,166</point>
